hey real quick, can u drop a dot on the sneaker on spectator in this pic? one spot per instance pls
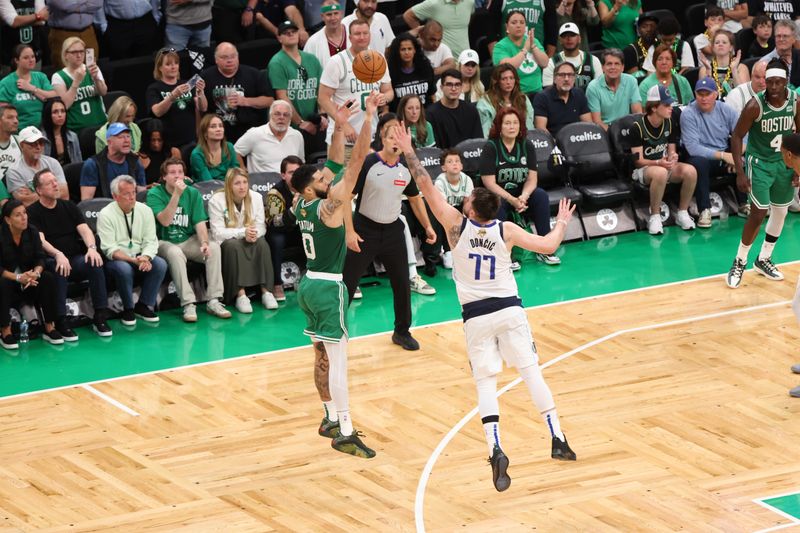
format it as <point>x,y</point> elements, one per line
<point>190,313</point>
<point>654,225</point>
<point>447,260</point>
<point>705,219</point>
<point>549,259</point>
<point>280,296</point>
<point>9,342</point>
<point>145,313</point>
<point>243,304</point>
<point>268,300</point>
<point>683,219</point>
<point>53,337</point>
<point>420,286</point>
<point>515,266</point>
<point>128,317</point>
<point>99,325</point>
<point>357,295</point>
<point>744,211</point>
<point>67,333</point>
<point>217,309</point>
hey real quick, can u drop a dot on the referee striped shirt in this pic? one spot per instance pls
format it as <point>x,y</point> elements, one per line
<point>380,188</point>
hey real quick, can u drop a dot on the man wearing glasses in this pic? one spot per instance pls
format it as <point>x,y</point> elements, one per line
<point>266,146</point>
<point>785,37</point>
<point>452,119</point>
<point>562,103</point>
<point>19,177</point>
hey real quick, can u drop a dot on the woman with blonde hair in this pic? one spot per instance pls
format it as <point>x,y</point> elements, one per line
<point>214,155</point>
<point>122,110</point>
<point>472,88</point>
<point>80,86</point>
<point>236,216</point>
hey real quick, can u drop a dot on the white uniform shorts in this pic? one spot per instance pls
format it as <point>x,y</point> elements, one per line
<point>500,336</point>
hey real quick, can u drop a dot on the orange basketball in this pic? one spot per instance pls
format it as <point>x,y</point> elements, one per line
<point>369,66</point>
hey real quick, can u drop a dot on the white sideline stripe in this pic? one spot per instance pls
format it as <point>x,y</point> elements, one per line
<point>776,528</point>
<point>762,503</point>
<point>419,501</point>
<point>110,400</point>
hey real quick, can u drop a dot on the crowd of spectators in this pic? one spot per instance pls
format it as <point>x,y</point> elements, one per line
<point>64,140</point>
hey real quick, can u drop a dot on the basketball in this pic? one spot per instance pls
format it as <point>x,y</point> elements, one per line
<point>369,66</point>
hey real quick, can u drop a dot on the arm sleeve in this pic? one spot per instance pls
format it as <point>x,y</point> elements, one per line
<point>140,178</point>
<point>152,97</point>
<point>149,238</point>
<point>7,13</point>
<point>362,176</point>
<point>277,75</point>
<point>258,214</point>
<point>411,189</point>
<point>243,146</point>
<point>423,11</point>
<point>540,105</point>
<point>15,180</point>
<point>156,201</point>
<point>57,171</point>
<point>487,163</point>
<point>592,97</point>
<point>105,231</point>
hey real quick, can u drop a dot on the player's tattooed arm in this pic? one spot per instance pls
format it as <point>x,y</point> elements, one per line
<point>328,208</point>
<point>453,234</point>
<point>321,367</point>
<point>418,172</point>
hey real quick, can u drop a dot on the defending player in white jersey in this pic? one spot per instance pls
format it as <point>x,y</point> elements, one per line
<point>495,323</point>
<point>790,150</point>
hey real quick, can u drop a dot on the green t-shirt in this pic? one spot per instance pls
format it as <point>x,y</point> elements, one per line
<point>429,138</point>
<point>767,131</point>
<point>324,247</point>
<point>454,18</point>
<point>530,75</point>
<point>680,89</point>
<point>190,211</point>
<point>87,110</point>
<point>301,82</point>
<point>29,108</point>
<point>202,171</point>
<point>534,14</point>
<point>622,31</point>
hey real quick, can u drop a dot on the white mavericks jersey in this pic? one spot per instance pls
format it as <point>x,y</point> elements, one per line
<point>482,263</point>
<point>338,75</point>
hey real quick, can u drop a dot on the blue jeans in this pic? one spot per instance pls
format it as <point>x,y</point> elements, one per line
<point>124,275</point>
<point>80,271</point>
<point>181,37</point>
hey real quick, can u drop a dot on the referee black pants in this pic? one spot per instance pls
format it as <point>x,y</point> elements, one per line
<point>386,243</point>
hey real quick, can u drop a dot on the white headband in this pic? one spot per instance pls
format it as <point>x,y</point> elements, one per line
<point>776,73</point>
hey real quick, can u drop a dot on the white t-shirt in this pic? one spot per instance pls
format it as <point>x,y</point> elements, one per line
<point>454,194</point>
<point>700,42</point>
<point>338,75</point>
<point>8,13</point>
<point>9,155</point>
<point>438,56</point>
<point>739,96</point>
<point>687,58</point>
<point>381,34</point>
<point>547,72</point>
<point>317,45</point>
<point>265,152</point>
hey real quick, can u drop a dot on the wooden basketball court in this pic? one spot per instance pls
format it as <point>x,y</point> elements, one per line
<point>674,398</point>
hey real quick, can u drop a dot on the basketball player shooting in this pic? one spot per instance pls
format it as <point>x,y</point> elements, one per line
<point>495,323</point>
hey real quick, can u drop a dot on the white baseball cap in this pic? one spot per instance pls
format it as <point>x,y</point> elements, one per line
<point>569,27</point>
<point>31,134</point>
<point>468,56</point>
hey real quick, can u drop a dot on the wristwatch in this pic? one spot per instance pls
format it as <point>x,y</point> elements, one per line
<point>92,247</point>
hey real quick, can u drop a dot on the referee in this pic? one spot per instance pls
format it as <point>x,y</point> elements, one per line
<point>380,188</point>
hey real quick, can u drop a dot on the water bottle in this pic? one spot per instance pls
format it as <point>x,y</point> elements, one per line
<point>23,331</point>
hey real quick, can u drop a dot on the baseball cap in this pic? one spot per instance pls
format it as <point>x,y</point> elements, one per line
<point>646,18</point>
<point>468,56</point>
<point>31,134</point>
<point>115,129</point>
<point>706,84</point>
<point>569,27</point>
<point>285,26</point>
<point>659,93</point>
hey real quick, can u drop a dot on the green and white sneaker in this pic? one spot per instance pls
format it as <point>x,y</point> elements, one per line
<point>329,428</point>
<point>352,444</point>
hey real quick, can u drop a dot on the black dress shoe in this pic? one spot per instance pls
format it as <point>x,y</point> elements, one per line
<point>405,340</point>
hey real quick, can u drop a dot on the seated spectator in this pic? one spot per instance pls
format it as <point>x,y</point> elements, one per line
<point>713,22</point>
<point>188,25</point>
<point>70,244</point>
<point>452,119</point>
<point>267,145</point>
<point>724,66</point>
<point>411,113</point>
<point>636,52</point>
<point>9,147</point>
<point>618,18</point>
<point>294,75</point>
<point>214,155</point>
<point>669,34</point>
<point>508,169</point>
<point>174,101</point>
<point>62,144</point>
<point>236,216</point>
<point>270,15</point>
<point>238,94</point>
<point>586,65</point>
<point>455,186</point>
<point>122,111</point>
<point>114,160</point>
<point>25,88</point>
<point>19,178</point>
<point>504,91</point>
<point>453,17</point>
<point>614,95</point>
<point>127,232</point>
<point>666,76</point>
<point>130,28</point>
<point>654,139</point>
<point>706,126</point>
<point>72,19</point>
<point>472,89</point>
<point>331,38</point>
<point>438,53</point>
<point>523,51</point>
<point>155,150</point>
<point>281,221</point>
<point>582,13</point>
<point>763,44</point>
<point>183,236</point>
<point>25,23</point>
<point>742,94</point>
<point>80,86</point>
<point>785,39</point>
<point>380,29</point>
<point>561,104</point>
<point>410,70</point>
<point>22,274</point>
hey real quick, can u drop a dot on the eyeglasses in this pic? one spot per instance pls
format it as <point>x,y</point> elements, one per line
<point>76,52</point>
<point>303,73</point>
<point>783,36</point>
<point>453,84</point>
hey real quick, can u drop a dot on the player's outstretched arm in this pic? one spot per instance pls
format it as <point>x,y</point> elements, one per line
<point>344,189</point>
<point>446,214</point>
<point>516,236</point>
<point>336,149</point>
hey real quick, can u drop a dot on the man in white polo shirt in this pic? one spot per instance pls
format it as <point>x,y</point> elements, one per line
<point>266,146</point>
<point>379,26</point>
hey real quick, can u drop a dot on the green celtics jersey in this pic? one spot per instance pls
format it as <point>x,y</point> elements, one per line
<point>764,140</point>
<point>87,110</point>
<point>324,246</point>
<point>534,14</point>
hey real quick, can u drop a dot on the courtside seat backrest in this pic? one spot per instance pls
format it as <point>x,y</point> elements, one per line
<point>72,173</point>
<point>91,208</point>
<point>262,182</point>
<point>207,188</point>
<point>431,159</point>
<point>543,143</point>
<point>471,150</point>
<point>585,146</point>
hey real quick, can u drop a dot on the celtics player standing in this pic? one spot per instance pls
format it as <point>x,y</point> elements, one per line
<point>322,295</point>
<point>766,118</point>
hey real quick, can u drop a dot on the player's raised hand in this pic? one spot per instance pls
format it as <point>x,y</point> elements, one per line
<point>565,210</point>
<point>403,137</point>
<point>372,102</point>
<point>345,111</point>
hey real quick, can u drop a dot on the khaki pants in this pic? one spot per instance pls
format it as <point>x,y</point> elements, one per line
<point>56,37</point>
<point>177,255</point>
